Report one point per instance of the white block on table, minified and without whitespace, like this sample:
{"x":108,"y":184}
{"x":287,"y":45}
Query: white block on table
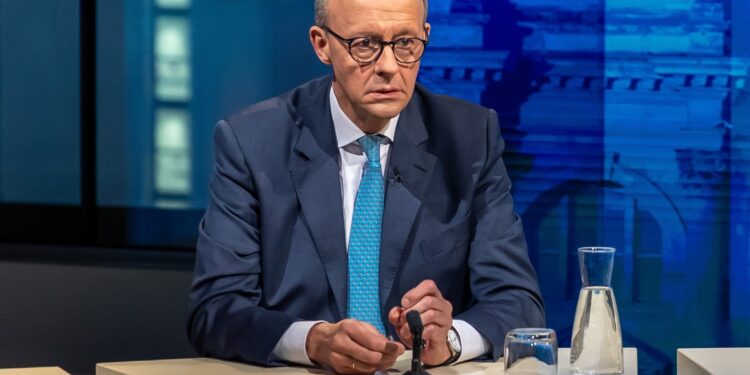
{"x":713,"y":361}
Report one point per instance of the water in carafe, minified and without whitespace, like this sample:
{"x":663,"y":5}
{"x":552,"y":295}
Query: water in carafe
{"x":596,"y":344}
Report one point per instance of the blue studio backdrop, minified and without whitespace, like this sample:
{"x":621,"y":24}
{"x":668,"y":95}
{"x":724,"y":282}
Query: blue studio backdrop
{"x":626,"y":125}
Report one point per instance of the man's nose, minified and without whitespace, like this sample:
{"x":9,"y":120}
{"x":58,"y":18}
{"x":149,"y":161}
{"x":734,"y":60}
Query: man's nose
{"x":387,"y":64}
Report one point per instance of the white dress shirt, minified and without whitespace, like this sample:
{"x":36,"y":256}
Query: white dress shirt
{"x":291,"y":346}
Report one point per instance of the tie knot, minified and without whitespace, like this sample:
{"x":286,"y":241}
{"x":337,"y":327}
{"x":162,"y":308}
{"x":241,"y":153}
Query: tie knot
{"x":371,"y":147}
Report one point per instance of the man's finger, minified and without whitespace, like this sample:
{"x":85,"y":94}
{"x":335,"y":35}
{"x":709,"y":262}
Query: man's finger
{"x":425,"y":288}
{"x":394,"y":348}
{"x":367,"y":326}
{"x":431,"y":303}
{"x":440,"y":318}
{"x":345,"y":364}
{"x":368,"y":337}
{"x":362,"y":354}
{"x":432,"y":310}
{"x":379,"y":360}
{"x":392,"y":351}
{"x":434,"y":333}
{"x":394,"y":316}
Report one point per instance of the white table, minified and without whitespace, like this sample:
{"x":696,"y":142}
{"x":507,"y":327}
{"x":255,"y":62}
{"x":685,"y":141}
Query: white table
{"x":713,"y":361}
{"x":33,"y":371}
{"x":208,"y":366}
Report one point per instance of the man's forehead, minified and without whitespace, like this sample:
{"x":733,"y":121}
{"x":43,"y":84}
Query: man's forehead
{"x":369,"y":28}
{"x":357,"y":13}
{"x":412,"y":5}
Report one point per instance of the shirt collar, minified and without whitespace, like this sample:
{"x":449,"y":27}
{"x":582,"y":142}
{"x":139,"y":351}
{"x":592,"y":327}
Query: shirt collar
{"x":347,"y":132}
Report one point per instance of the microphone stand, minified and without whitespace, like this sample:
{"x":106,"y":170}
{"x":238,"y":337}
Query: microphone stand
{"x":416,"y":327}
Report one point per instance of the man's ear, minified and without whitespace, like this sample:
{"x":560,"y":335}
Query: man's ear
{"x":320,"y":44}
{"x":427,"y":29}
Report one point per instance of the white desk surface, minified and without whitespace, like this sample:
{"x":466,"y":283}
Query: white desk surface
{"x":33,"y":371}
{"x":206,"y":366}
{"x":713,"y":361}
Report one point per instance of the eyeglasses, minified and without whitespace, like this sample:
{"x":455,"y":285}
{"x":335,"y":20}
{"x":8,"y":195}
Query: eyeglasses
{"x":367,"y":49}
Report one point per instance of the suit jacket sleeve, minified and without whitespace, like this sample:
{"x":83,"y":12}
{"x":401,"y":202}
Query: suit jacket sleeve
{"x":226,"y":318}
{"x":503,"y":282}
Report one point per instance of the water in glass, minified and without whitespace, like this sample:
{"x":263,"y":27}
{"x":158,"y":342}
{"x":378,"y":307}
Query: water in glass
{"x":531,"y":351}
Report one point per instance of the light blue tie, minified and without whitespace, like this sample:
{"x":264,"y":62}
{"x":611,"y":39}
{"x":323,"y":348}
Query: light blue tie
{"x":364,"y":239}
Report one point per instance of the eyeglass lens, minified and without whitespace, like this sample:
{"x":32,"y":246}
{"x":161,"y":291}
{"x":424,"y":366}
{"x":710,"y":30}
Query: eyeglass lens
{"x":406,"y":50}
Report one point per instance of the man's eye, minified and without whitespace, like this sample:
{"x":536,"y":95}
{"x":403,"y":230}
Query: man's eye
{"x":366,"y":43}
{"x":405,"y":43}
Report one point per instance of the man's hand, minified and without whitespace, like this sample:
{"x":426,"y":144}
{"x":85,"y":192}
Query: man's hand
{"x":351,"y":347}
{"x":436,"y":313}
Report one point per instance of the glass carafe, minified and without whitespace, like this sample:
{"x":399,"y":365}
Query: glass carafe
{"x":596,"y":343}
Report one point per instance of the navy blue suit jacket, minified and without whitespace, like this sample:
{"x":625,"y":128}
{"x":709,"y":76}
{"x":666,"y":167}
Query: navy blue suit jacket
{"x":271,"y":248}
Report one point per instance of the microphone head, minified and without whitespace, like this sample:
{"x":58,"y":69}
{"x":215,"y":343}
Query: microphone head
{"x":415,"y":322}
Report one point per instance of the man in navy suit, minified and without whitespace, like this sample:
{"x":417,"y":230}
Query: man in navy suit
{"x":278,"y":276}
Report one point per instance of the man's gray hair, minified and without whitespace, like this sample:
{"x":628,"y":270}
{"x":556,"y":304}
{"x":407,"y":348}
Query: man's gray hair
{"x":321,"y":11}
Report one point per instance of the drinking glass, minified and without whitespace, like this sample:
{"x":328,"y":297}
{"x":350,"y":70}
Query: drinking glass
{"x":531,"y":351}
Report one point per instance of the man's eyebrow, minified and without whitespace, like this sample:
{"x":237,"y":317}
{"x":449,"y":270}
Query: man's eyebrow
{"x":405,"y":32}
{"x":374,"y":34}
{"x":409,"y":34}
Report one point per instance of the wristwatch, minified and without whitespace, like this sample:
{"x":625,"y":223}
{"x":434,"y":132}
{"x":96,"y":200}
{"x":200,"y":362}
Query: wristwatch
{"x":454,"y":344}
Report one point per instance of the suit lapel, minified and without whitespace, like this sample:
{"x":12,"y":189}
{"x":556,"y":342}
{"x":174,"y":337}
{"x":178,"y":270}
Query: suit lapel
{"x":315,"y":171}
{"x":403,"y":198}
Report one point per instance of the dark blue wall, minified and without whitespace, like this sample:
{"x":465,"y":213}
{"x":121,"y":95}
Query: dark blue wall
{"x":39,"y":102}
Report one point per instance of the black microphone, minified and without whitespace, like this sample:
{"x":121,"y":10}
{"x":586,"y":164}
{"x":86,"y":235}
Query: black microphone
{"x":416,"y":328}
{"x":415,"y":322}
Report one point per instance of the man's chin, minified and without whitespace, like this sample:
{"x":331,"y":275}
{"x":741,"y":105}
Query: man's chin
{"x":385,"y":110}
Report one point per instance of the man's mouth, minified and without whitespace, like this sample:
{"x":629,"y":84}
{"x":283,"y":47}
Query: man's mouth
{"x":387,"y":92}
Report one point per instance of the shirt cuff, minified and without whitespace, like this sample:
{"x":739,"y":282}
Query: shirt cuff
{"x":473,"y":344}
{"x":291,"y":345}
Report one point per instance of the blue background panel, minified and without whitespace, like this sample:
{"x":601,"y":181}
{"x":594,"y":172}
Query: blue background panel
{"x":626,"y":125}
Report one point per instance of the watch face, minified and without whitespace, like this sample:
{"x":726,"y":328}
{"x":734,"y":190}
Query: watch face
{"x":453,"y":341}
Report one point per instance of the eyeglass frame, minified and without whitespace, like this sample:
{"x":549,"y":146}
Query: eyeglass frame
{"x":383,"y":43}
